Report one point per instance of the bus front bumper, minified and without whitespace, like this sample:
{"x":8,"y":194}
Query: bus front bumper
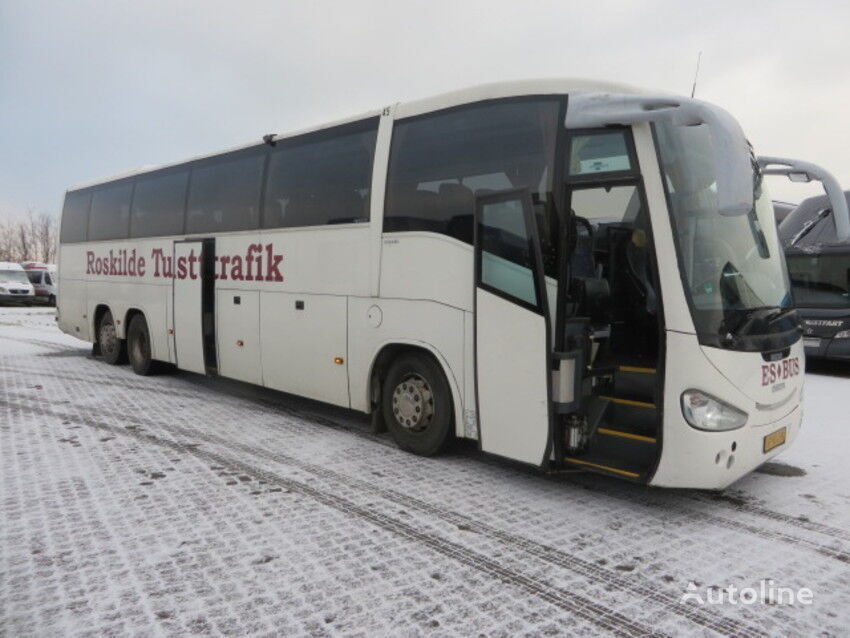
{"x":715,"y":460}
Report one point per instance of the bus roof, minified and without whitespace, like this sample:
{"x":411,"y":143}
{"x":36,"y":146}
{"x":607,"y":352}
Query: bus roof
{"x":469,"y":95}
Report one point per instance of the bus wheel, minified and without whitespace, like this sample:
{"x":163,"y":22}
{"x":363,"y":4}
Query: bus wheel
{"x":112,"y":349}
{"x":417,"y":404}
{"x":51,"y":300}
{"x":139,"y":347}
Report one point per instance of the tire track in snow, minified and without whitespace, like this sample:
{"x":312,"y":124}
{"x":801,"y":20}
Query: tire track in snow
{"x":633,"y":585}
{"x":589,"y":610}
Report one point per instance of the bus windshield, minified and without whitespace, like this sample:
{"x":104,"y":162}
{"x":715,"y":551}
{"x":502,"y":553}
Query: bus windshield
{"x":733,"y":268}
{"x":820,"y":280}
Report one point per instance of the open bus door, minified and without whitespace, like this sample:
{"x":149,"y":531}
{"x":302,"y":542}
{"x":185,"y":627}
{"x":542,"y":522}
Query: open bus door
{"x":193,"y":305}
{"x":512,"y":342}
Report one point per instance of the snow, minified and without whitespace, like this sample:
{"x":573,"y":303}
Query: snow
{"x":179,"y":504}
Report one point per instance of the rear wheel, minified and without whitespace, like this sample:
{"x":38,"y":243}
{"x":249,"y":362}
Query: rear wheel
{"x":51,"y":300}
{"x":112,"y":349}
{"x":139,"y":347}
{"x":417,"y":404}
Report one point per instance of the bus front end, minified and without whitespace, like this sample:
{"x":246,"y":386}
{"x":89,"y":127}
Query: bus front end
{"x":723,"y":377}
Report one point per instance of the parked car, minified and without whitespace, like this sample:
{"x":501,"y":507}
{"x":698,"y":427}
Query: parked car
{"x":44,"y":279}
{"x":15,"y":286}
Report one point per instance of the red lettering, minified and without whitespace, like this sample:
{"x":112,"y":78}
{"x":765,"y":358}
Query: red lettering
{"x":156,"y":255}
{"x":89,"y":262}
{"x":192,"y":259}
{"x":140,"y":266}
{"x":236,"y":268}
{"x":223,"y":260}
{"x":272,"y":265}
{"x":181,"y":267}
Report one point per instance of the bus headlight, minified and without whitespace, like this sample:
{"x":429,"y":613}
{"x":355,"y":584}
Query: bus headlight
{"x":704,"y":412}
{"x":844,"y":334}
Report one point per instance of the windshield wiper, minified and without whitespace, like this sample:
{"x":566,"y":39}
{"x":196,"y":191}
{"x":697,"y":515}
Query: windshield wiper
{"x":809,"y":226}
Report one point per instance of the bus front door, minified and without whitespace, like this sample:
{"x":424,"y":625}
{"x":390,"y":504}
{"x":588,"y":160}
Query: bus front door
{"x":511,"y":329}
{"x":193,"y":305}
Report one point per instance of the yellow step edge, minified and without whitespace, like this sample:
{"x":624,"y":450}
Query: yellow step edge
{"x":638,"y":404}
{"x":637,"y":369}
{"x":626,"y":435}
{"x":604,"y":467}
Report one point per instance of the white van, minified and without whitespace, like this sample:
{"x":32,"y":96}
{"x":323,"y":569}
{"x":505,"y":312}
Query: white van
{"x":14,"y":284}
{"x":44,"y":279}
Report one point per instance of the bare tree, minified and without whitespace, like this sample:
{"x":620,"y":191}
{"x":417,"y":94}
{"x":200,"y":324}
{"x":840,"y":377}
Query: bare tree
{"x":31,"y":238}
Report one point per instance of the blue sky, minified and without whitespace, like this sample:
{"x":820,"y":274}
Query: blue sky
{"x":89,"y":89}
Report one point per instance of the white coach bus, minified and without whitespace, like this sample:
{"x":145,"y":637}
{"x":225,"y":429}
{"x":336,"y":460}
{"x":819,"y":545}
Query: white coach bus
{"x":574,"y":274}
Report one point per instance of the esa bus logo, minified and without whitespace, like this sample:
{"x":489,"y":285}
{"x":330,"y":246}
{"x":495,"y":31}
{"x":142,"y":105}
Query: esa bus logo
{"x":779,"y":371}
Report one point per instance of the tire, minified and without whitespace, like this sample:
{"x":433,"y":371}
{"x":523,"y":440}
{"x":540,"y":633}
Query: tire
{"x":417,"y":404}
{"x":112,"y":349}
{"x":51,"y":300}
{"x":139,"y":347}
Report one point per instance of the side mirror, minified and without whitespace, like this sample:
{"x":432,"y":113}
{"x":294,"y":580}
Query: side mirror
{"x":800,"y":178}
{"x":799,"y":171}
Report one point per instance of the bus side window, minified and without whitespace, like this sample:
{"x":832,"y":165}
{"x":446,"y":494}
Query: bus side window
{"x":75,"y":215}
{"x":224,"y":193}
{"x":322,"y":178}
{"x":440,"y":162}
{"x":506,"y":257}
{"x":158,"y":204}
{"x":110,"y":212}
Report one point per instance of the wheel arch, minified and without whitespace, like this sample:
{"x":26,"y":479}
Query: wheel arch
{"x":387,"y":352}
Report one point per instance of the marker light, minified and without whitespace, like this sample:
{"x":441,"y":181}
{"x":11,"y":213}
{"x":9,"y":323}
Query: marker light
{"x":704,"y":412}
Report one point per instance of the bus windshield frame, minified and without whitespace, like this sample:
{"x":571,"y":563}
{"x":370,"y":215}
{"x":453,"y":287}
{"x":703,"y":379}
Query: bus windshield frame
{"x":732,"y":265}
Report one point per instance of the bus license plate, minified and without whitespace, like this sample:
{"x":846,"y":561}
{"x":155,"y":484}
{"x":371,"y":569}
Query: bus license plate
{"x":811,"y":342}
{"x":774,"y":439}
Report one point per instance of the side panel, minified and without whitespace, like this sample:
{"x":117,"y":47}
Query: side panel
{"x":419,"y":265}
{"x":511,"y":349}
{"x":375,"y":323}
{"x":238,"y":334}
{"x":188,"y":331}
{"x":302,"y":336}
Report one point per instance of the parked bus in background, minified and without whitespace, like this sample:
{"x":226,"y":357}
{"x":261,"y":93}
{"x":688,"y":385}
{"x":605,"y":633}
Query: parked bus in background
{"x":574,"y":274}
{"x":43,"y":277}
{"x":819,"y":267}
{"x":14,"y":285}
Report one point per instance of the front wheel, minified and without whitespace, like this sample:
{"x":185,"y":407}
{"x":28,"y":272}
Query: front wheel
{"x":417,"y":404}
{"x":139,"y":347}
{"x":112,"y":349}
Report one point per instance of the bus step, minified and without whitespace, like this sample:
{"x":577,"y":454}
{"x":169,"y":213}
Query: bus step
{"x":631,"y":414}
{"x":634,"y":381}
{"x":610,"y":466}
{"x":624,"y":434}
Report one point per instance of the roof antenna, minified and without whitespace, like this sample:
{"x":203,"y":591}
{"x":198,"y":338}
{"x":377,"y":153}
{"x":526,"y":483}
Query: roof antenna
{"x":269,"y":139}
{"x":696,"y":74}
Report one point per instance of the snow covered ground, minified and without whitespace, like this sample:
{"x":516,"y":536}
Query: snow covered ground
{"x":182,"y":505}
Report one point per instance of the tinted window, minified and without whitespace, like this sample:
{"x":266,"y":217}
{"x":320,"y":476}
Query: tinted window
{"x":440,"y":162}
{"x":34,"y":276}
{"x":75,"y":216}
{"x":110,"y":212}
{"x":158,"y":205}
{"x":224,"y":194}
{"x":820,"y":280}
{"x":506,"y":257}
{"x":47,"y":280}
{"x":321,"y":179}
{"x":599,"y":153}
